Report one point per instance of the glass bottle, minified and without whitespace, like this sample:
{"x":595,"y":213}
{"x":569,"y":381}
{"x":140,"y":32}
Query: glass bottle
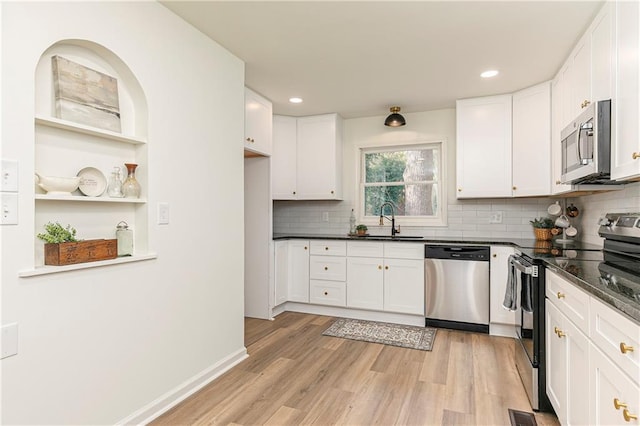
{"x":131,"y":186}
{"x":352,"y":223}
{"x":115,"y":184}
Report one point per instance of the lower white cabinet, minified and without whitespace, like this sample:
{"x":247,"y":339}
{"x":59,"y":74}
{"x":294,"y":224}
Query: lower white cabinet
{"x":365,"y":283}
{"x":615,"y":397}
{"x":592,"y":358}
{"x":328,"y":292}
{"x":281,"y":272}
{"x":567,"y":367}
{"x":404,"y":286}
{"x":498,"y":274}
{"x":298,"y":271}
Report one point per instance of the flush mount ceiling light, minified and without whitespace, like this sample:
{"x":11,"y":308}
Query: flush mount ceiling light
{"x":489,"y":74}
{"x":295,"y":100}
{"x":395,"y":119}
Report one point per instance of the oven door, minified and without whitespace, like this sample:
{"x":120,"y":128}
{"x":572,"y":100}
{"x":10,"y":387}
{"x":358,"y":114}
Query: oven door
{"x":526,"y":330}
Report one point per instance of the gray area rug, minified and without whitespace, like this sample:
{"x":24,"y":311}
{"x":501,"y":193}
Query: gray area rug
{"x":406,"y":336}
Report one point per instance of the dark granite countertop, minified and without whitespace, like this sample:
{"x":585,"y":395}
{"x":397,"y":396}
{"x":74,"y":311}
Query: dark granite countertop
{"x":580,"y":263}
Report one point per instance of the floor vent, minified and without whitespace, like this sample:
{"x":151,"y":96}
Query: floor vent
{"x":522,"y":418}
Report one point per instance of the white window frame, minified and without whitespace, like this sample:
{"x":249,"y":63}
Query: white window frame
{"x":439,"y":219}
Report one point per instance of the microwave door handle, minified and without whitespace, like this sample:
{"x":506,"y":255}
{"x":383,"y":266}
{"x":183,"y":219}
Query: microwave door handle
{"x":578,"y":144}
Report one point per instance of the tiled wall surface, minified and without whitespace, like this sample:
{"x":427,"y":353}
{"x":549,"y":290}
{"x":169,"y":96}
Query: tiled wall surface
{"x":466,"y":218}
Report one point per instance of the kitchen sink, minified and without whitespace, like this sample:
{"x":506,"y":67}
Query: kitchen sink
{"x":397,"y":237}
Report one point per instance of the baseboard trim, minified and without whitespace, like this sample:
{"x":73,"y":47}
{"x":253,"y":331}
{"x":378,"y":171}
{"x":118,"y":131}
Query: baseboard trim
{"x":363,"y":314}
{"x":181,"y":392}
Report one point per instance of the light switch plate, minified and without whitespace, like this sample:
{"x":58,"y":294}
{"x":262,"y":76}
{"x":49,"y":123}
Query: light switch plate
{"x":8,"y":176}
{"x":9,"y":341}
{"x":163,"y":213}
{"x":8,"y":208}
{"x":496,"y":217}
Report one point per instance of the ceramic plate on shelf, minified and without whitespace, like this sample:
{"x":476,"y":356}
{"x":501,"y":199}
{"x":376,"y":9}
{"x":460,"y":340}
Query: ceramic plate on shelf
{"x":92,"y":182}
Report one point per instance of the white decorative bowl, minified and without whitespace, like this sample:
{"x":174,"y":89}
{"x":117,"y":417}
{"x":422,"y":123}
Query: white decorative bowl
{"x":58,"y":185}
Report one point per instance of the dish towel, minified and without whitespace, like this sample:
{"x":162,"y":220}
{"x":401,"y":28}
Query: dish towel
{"x":511,"y":294}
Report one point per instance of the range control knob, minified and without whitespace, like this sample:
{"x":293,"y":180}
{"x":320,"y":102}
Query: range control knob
{"x":605,"y":221}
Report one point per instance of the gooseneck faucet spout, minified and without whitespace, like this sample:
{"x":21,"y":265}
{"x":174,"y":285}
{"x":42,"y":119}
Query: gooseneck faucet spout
{"x":394,"y":231}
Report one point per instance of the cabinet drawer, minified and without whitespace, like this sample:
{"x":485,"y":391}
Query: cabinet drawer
{"x":616,"y":336}
{"x":331,"y":268}
{"x":329,"y":248}
{"x":364,"y":249}
{"x":569,"y":299}
{"x":328,"y":293}
{"x":404,"y":250}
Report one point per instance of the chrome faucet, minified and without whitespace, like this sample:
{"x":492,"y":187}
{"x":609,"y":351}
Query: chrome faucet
{"x":394,"y":231}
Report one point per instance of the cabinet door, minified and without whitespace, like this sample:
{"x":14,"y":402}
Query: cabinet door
{"x":556,"y":353}
{"x":498,"y":272}
{"x":281,"y":268}
{"x":257,"y":123}
{"x":611,"y":385}
{"x":532,"y":141}
{"x":404,"y":286}
{"x":577,"y":349}
{"x":365,"y":283}
{"x":625,"y":144}
{"x":283,"y":158}
{"x":483,"y":157}
{"x":580,"y":81}
{"x":602,"y":54}
{"x":319,"y":157}
{"x":299,"y":271}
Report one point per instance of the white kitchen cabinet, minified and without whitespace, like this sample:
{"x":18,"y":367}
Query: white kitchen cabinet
{"x":257,"y":123}
{"x":483,"y":157}
{"x":615,"y":398}
{"x":365,"y":283}
{"x":307,"y":166}
{"x":531,"y":143}
{"x":558,"y":95}
{"x":580,"y":76}
{"x":298,"y":286}
{"x":498,"y":274}
{"x":330,"y":268}
{"x":283,"y":159}
{"x":328,"y":293}
{"x":567,"y":367}
{"x":625,"y":147}
{"x":404,"y":286}
{"x":281,"y":272}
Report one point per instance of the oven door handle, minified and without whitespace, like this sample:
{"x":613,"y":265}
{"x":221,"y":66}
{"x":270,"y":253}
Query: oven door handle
{"x":528,"y":270}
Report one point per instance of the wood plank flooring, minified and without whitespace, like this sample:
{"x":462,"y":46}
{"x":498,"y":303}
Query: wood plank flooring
{"x":294,"y":375}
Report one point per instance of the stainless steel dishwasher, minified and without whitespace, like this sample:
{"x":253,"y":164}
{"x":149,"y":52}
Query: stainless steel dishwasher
{"x":457,"y":287}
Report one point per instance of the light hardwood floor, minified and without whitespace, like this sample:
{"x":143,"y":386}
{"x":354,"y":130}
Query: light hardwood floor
{"x":295,"y":375}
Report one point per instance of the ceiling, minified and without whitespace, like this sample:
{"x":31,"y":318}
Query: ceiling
{"x":359,"y":58}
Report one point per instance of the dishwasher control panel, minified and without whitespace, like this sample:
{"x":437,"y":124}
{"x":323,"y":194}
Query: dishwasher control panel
{"x":476,"y":253}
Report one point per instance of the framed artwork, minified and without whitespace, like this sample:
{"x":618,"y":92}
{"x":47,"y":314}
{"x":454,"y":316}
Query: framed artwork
{"x":84,"y":95}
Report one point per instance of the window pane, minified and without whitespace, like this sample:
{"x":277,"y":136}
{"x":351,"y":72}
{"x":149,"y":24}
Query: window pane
{"x":401,"y":166}
{"x":409,"y":200}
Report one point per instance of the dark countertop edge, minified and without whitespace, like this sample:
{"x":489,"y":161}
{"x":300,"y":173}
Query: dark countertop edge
{"x":630,"y":310}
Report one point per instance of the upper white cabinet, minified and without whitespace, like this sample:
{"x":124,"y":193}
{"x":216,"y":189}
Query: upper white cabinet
{"x":558,"y":89}
{"x":257,"y":123}
{"x":315,"y":154}
{"x":531,"y":149}
{"x":625,"y":147}
{"x":503,"y":144}
{"x":483,"y":158}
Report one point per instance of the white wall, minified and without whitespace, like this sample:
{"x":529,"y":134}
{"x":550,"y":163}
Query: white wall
{"x":466,"y":218}
{"x":98,"y":345}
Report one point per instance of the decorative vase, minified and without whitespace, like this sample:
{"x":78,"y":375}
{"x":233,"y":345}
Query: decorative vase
{"x":131,"y":186}
{"x":115,"y":184}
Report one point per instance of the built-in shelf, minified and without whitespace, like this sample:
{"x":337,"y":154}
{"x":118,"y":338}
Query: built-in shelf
{"x":87,"y":130}
{"x":86,"y":199}
{"x":44,"y":270}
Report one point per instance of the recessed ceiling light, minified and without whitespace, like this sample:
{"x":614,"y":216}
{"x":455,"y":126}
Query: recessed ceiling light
{"x":295,"y":100}
{"x":489,"y":74}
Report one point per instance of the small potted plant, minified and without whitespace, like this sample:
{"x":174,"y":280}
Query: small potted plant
{"x":62,"y":248}
{"x":542,"y":228}
{"x":361,"y":230}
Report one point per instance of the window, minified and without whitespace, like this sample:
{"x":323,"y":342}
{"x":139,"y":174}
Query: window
{"x":410,"y":177}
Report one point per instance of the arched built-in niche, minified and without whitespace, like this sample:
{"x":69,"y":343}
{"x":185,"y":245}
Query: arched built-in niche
{"x":63,"y":148}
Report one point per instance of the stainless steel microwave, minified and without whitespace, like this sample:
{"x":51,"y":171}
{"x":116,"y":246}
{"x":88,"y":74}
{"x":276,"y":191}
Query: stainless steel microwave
{"x":586,"y":146}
